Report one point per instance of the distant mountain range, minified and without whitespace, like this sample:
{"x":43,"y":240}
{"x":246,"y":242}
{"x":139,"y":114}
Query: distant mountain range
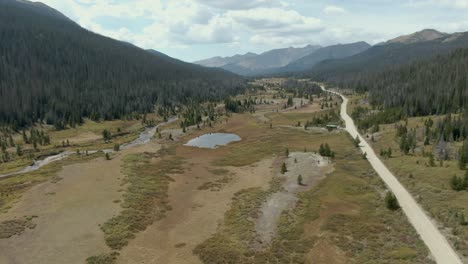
{"x":283,"y":60}
{"x":338,"y":61}
{"x":399,"y":51}
{"x":252,"y":63}
{"x":327,"y":53}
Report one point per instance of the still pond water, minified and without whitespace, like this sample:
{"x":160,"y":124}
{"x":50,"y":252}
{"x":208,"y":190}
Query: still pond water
{"x":213,"y":140}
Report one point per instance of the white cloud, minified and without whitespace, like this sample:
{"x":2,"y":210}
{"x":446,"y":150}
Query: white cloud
{"x":333,"y":10}
{"x":176,"y":23}
{"x":239,"y":4}
{"x":276,"y":26}
{"x":458,"y":4}
{"x":185,"y":22}
{"x":273,"y":18}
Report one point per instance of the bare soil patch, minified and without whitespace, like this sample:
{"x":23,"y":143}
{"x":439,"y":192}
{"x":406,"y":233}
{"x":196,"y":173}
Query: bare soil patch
{"x":68,"y":212}
{"x":312,"y":168}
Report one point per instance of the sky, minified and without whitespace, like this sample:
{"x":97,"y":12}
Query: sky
{"x":191,"y":30}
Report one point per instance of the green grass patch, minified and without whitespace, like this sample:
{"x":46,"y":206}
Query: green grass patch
{"x":145,"y":199}
{"x":109,"y":258}
{"x":403,"y":253}
{"x":219,"y":171}
{"x":15,"y":165}
{"x":14,"y":227}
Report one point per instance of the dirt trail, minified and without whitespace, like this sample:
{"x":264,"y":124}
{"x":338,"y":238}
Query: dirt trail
{"x":196,"y":213}
{"x":312,"y":167}
{"x":427,"y":229}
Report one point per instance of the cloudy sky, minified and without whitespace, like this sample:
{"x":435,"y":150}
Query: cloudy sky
{"x":196,"y":29}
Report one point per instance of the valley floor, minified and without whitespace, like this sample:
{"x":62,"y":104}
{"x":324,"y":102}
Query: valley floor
{"x":167,"y":203}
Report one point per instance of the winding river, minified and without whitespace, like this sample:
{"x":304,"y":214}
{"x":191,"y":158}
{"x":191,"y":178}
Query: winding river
{"x":144,"y":137}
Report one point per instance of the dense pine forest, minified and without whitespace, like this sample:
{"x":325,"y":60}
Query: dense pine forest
{"x":435,"y":86}
{"x":53,"y":71}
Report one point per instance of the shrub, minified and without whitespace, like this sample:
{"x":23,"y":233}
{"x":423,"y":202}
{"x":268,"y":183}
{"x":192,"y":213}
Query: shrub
{"x":284,"y":169}
{"x":391,"y":201}
{"x":299,"y":179}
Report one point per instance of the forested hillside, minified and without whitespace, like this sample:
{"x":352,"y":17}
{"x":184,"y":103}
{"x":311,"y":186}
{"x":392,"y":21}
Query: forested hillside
{"x":54,"y":71}
{"x":434,"y":86}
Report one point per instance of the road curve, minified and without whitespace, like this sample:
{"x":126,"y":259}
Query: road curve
{"x":440,"y":248}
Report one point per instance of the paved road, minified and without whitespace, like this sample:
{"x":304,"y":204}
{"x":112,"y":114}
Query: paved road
{"x":441,"y":250}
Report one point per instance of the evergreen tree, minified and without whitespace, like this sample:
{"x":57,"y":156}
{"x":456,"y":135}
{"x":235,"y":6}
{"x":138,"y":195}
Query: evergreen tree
{"x":299,"y":179}
{"x":391,"y":201}
{"x":106,"y":135}
{"x":458,"y":184}
{"x":25,"y":137}
{"x":12,"y":143}
{"x":463,"y":155}
{"x":19,"y":150}
{"x":283,"y":168}
{"x":357,"y":141}
{"x":431,"y":160}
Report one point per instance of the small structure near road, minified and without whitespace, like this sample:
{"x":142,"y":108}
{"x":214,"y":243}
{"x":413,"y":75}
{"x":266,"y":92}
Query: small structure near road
{"x":332,"y":127}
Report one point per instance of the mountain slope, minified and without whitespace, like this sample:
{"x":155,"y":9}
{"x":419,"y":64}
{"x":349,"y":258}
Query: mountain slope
{"x":326,"y":53}
{"x":223,"y":61}
{"x":380,"y":57}
{"x":53,"y":70}
{"x":421,"y":36}
{"x":37,"y":8}
{"x":251,"y":63}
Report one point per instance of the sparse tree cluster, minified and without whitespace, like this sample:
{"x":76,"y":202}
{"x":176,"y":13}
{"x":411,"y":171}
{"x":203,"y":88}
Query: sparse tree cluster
{"x":459,"y":183}
{"x":386,"y":153}
{"x":238,"y":106}
{"x":326,"y":151}
{"x":106,"y":135}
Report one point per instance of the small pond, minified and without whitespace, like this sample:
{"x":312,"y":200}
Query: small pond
{"x":213,"y":140}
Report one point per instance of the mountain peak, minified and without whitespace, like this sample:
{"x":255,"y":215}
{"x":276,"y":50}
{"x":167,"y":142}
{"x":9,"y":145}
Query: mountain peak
{"x":420,"y":36}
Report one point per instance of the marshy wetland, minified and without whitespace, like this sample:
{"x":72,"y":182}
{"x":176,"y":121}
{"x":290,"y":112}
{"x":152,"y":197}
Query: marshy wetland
{"x":165,"y":202}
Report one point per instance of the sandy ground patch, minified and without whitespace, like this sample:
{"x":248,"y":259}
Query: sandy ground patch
{"x":69,"y":213}
{"x":85,"y":137}
{"x":306,"y":108}
{"x":325,"y":252}
{"x":195,"y":214}
{"x":313,"y":168}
